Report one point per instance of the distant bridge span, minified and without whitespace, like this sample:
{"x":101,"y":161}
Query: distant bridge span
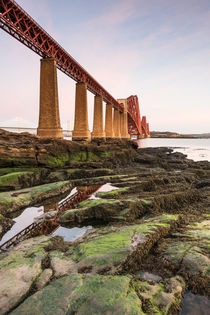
{"x":16,"y":22}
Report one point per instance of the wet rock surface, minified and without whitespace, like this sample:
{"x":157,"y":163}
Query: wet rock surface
{"x":76,"y":294}
{"x":19,"y":150}
{"x":19,"y":270}
{"x":153,"y":245}
{"x":12,"y":201}
{"x":5,"y":224}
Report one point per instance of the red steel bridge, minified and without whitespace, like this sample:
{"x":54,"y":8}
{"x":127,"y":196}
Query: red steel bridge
{"x":16,"y":22}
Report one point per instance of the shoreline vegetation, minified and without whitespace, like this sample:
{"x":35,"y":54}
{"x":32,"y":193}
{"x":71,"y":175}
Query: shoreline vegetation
{"x":149,"y":251}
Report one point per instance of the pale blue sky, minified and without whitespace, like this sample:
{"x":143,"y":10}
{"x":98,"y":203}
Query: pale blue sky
{"x":157,"y":49}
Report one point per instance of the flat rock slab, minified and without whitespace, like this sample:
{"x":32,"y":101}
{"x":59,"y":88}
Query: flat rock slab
{"x":25,"y":197}
{"x":160,"y":298}
{"x":62,"y":266}
{"x":76,"y":294}
{"x":97,"y":294}
{"x":107,"y":249}
{"x":126,"y":245}
{"x":44,"y":278}
{"x":192,"y":254}
{"x":18,"y":271}
{"x":106,"y":210}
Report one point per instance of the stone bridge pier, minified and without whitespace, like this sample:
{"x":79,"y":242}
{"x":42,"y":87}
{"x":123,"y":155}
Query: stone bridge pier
{"x":117,"y":133}
{"x":98,"y":129}
{"x":109,"y":130}
{"x":116,"y":125}
{"x":81,"y":129}
{"x":49,"y":118}
{"x":124,"y":119}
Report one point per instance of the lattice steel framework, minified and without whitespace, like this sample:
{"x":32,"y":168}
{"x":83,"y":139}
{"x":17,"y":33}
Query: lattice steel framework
{"x":145,"y":126}
{"x":16,"y":22}
{"x":134,"y":123}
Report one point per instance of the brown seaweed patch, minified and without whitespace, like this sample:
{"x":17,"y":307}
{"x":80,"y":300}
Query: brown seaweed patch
{"x":57,"y":243}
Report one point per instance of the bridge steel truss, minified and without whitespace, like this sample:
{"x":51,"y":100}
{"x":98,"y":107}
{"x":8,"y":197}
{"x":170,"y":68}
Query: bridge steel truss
{"x":19,"y":24}
{"x":133,"y":109}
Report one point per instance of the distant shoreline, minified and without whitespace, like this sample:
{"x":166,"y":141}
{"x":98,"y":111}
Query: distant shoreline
{"x":168,"y":134}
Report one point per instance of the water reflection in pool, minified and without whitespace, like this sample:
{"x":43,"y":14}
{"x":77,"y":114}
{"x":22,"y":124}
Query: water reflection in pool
{"x":22,"y":221}
{"x":71,"y":234}
{"x":104,"y":188}
{"x":24,"y":218}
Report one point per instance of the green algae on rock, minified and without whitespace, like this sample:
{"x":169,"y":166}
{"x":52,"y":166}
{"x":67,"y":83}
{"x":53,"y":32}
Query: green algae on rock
{"x":96,"y":294}
{"x":19,"y":269}
{"x":192,"y":254}
{"x":160,"y":298}
{"x":126,"y":245}
{"x":112,"y":193}
{"x":105,"y":210}
{"x":29,"y":150}
{"x":76,"y":294}
{"x":10,"y":201}
{"x":11,"y":180}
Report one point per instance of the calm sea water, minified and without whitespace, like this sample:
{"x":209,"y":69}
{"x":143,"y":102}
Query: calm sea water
{"x":195,"y":149}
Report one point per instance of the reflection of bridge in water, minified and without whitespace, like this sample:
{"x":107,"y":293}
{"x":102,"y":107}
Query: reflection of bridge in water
{"x":48,"y":225}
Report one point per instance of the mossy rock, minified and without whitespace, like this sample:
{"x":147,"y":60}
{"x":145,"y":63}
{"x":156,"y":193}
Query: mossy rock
{"x":129,"y":179}
{"x":11,"y":180}
{"x":19,"y":269}
{"x":25,"y":253}
{"x":102,"y":209}
{"x":88,"y":173}
{"x":193,"y":253}
{"x":113,"y":193}
{"x":190,"y":256}
{"x":58,"y":175}
{"x":10,"y":202}
{"x":199,"y":230}
{"x":113,"y":245}
{"x":8,"y":170}
{"x":146,"y":201}
{"x":60,"y":160}
{"x":105,"y":210}
{"x":84,"y":156}
{"x":161,"y":298}
{"x":95,"y":202}
{"x":88,"y":295}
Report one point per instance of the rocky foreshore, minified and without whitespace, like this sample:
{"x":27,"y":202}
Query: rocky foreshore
{"x":151,"y":242}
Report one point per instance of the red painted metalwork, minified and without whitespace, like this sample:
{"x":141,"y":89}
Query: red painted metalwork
{"x":134,"y":124}
{"x":145,"y":126}
{"x":148,"y":132}
{"x":16,"y":22}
